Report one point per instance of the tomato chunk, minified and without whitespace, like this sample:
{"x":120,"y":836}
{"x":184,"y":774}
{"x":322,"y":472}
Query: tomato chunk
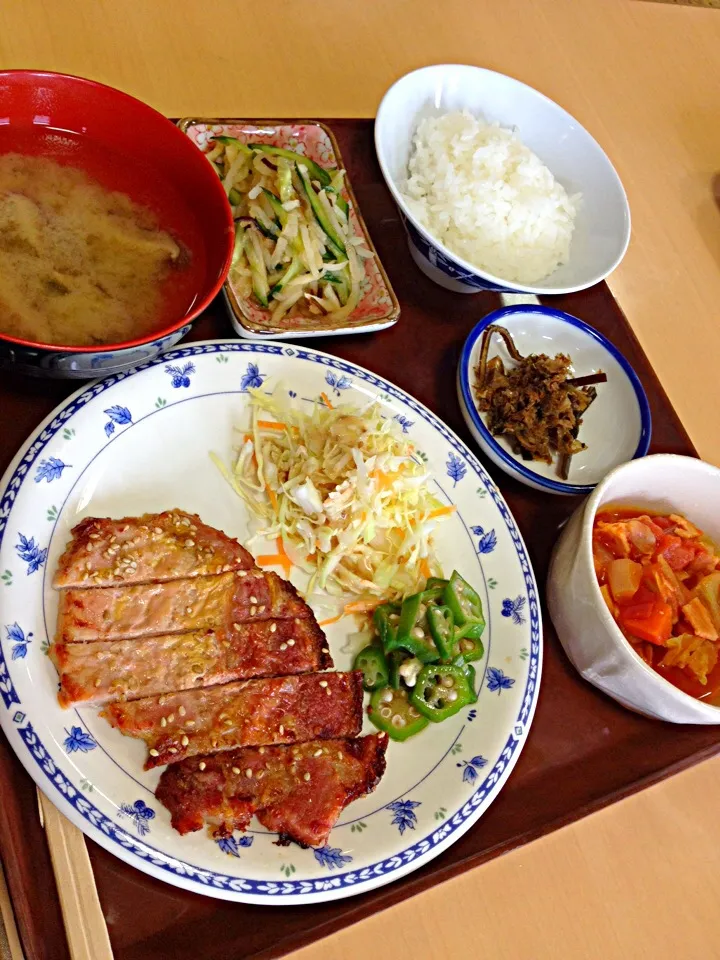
{"x":638,"y":611}
{"x":656,"y":627}
{"x":645,"y":594}
{"x":663,"y":522}
{"x":677,"y":553}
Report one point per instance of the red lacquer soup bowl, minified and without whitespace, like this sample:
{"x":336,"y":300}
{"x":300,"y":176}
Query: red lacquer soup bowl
{"x":126,"y":146}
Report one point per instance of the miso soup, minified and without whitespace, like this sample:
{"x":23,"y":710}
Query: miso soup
{"x":84,"y":262}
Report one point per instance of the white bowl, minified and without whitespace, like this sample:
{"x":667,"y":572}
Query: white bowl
{"x":587,"y":631}
{"x":602,"y":227}
{"x":617,"y":425}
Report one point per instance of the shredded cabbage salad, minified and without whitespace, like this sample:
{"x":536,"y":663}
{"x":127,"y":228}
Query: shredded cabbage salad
{"x":345,"y":495}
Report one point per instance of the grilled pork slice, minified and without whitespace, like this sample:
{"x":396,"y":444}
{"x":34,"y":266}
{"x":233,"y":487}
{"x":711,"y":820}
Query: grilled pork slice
{"x":151,"y":548}
{"x":128,"y":669}
{"x":180,"y":606}
{"x":298,"y":792}
{"x":243,"y":714}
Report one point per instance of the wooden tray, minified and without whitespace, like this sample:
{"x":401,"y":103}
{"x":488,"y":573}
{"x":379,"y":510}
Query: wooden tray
{"x":583,"y":752}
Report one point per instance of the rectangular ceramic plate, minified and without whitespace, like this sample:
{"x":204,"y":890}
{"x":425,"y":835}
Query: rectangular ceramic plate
{"x":378,"y":307}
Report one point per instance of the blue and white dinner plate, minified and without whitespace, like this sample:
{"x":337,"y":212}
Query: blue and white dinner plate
{"x":140,"y":441}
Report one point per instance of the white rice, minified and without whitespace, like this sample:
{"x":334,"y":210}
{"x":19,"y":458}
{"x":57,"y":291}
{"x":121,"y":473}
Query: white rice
{"x":488,"y":198}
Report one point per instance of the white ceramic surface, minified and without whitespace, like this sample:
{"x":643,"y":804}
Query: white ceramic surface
{"x":602,"y":230}
{"x":248,"y":334}
{"x":587,"y":631}
{"x":140,"y":442}
{"x":616,"y":426}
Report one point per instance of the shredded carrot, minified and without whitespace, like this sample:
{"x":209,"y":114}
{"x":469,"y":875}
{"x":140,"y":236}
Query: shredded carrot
{"x":441,"y":512}
{"x":360,"y":606}
{"x":287,"y":563}
{"x":254,"y":456}
{"x":326,"y":401}
{"x":275,"y":425}
{"x":385,"y":480}
{"x":425,"y":568}
{"x":279,"y":559}
{"x":271,"y":425}
{"x":326,"y":623}
{"x":273,"y":497}
{"x":357,"y":606}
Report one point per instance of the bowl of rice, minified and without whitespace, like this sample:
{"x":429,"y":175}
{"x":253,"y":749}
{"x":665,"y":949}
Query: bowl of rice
{"x":498,"y":187}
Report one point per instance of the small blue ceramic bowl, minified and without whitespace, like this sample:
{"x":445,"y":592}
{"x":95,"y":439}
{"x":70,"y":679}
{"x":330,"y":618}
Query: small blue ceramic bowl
{"x":617,"y":425}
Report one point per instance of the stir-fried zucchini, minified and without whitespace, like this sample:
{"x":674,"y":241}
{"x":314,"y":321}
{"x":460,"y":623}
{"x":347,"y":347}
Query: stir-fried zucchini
{"x":335,"y":243}
{"x":279,"y":211}
{"x":314,"y":169}
{"x":239,"y":247}
{"x":285,"y":184}
{"x":233,"y":141}
{"x":294,"y":270}
{"x":258,"y":270}
{"x":342,"y":282}
{"x":294,"y":241}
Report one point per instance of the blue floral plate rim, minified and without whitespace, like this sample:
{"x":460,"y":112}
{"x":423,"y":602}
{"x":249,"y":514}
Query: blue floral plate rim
{"x":46,"y":768}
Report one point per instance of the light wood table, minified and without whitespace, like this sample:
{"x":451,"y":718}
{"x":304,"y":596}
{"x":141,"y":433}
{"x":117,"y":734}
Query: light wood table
{"x":641,"y":878}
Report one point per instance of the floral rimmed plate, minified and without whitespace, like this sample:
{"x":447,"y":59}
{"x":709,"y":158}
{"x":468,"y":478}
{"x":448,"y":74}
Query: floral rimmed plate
{"x":139,"y":441}
{"x":378,"y":307}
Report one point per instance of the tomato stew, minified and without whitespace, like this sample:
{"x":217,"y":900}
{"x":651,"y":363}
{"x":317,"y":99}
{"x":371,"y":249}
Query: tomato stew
{"x":660,"y":577}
